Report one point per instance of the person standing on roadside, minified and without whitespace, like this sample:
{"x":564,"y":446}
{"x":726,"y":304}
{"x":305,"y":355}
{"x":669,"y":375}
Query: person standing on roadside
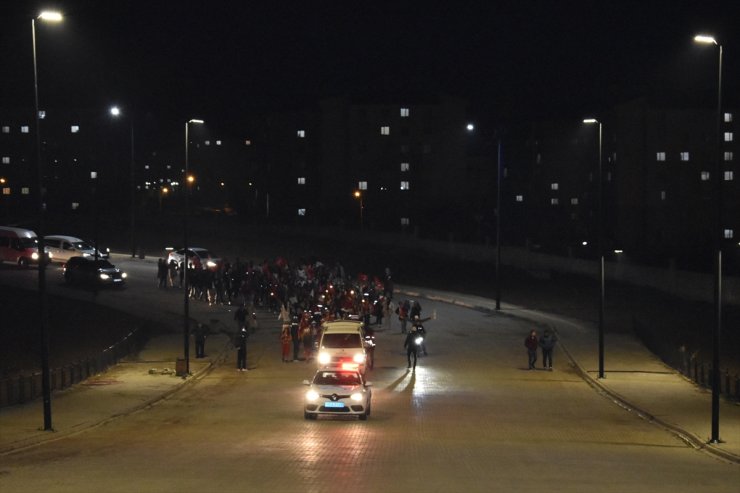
{"x":241,"y":350}
{"x":547,"y":343}
{"x":162,"y":273}
{"x":531,"y":343}
{"x":201,"y":332}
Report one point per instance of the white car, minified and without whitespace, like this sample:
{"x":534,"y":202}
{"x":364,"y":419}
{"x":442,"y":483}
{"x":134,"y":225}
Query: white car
{"x":334,"y":391}
{"x":198,"y":258}
{"x":345,"y":345}
{"x":64,"y":247}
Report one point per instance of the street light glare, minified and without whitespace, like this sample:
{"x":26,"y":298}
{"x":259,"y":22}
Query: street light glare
{"x":590,"y":120}
{"x":115,"y":111}
{"x":50,"y":16}
{"x":195,"y":120}
{"x":704,"y":38}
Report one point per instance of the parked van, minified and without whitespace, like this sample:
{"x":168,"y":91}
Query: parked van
{"x":344,"y":344}
{"x":19,"y":246}
{"x":62,"y":248}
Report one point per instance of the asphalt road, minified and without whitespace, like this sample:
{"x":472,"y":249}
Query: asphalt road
{"x":471,"y":418}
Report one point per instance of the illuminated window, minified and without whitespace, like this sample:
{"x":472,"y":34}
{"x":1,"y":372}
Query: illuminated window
{"x":6,"y":129}
{"x":404,"y":112}
{"x":24,"y":129}
{"x":405,"y":185}
{"x":405,"y":167}
{"x":75,"y":206}
{"x":301,"y":180}
{"x":218,"y":142}
{"x":6,"y":159}
{"x":554,"y":186}
{"x":704,"y":175}
{"x":519,"y":198}
{"x":42,"y":114}
{"x":247,"y":142}
{"x":728,"y":117}
{"x":405,"y":221}
{"x":301,"y":134}
{"x":660,"y":156}
{"x":729,"y":175}
{"x":301,"y":212}
{"x":554,"y":201}
{"x":728,"y":156}
{"x":729,"y":234}
{"x":362,"y":185}
{"x":729,"y":137}
{"x":6,"y":190}
{"x":207,"y":143}
{"x":25,"y":191}
{"x":74,"y":129}
{"x":385,"y":130}
{"x":663,"y":195}
{"x":574,"y":201}
{"x":684,"y":156}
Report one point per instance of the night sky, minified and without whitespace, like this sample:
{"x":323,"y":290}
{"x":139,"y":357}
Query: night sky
{"x":510,"y":59}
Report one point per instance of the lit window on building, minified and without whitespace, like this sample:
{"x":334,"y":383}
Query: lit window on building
{"x":24,"y":129}
{"x":405,"y":112}
{"x":519,"y":198}
{"x":663,"y":195}
{"x":207,"y":143}
{"x":218,"y":142}
{"x":362,"y":185}
{"x":6,"y":190}
{"x":405,"y":167}
{"x":729,"y":137}
{"x":660,"y":156}
{"x":301,"y":134}
{"x":301,"y":212}
{"x":75,"y":206}
{"x":729,"y":234}
{"x":42,"y":114}
{"x":554,"y":186}
{"x":728,"y":117}
{"x":729,"y":156}
{"x":538,"y":159}
{"x":574,"y":201}
{"x":301,"y":180}
{"x":247,"y":142}
{"x":74,"y":129}
{"x":729,"y":175}
{"x":554,"y":201}
{"x":25,"y":191}
{"x":405,"y":185}
{"x":405,"y":221}
{"x":6,"y":129}
{"x":6,"y":159}
{"x":385,"y":130}
{"x":685,"y":156}
{"x":704,"y":175}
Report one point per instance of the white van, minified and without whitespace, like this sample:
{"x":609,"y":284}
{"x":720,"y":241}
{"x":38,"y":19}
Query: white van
{"x":19,"y":246}
{"x":64,"y":247}
{"x":344,"y":345}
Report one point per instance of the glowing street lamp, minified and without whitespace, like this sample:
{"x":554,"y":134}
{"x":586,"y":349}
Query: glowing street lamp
{"x":46,"y":16}
{"x":358,"y":196}
{"x":718,"y":238}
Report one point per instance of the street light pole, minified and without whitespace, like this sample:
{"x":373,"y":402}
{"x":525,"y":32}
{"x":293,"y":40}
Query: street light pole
{"x":43,"y":315}
{"x":116,"y":112}
{"x":718,"y":248}
{"x":600,"y":249}
{"x":186,"y":298}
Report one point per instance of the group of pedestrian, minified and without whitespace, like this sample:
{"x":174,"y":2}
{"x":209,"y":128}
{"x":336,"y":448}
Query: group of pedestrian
{"x":546,"y":344}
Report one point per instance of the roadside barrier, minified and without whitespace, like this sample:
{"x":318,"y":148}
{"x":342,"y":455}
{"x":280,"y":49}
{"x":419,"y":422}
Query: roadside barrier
{"x":27,"y":387}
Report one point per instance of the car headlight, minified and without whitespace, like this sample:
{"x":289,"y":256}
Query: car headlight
{"x":124,"y":275}
{"x":211,"y":263}
{"x":359,"y":358}
{"x":324,"y":358}
{"x":357,"y":396}
{"x":35,"y":255}
{"x":104,"y":276}
{"x":312,"y":395}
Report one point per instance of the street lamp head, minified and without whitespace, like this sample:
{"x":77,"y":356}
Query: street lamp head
{"x":705,"y":39}
{"x":470,"y":127}
{"x":191,"y":179}
{"x":195,"y":120}
{"x":115,"y":111}
{"x":357,"y":194}
{"x":50,"y":16}
{"x":590,"y":120}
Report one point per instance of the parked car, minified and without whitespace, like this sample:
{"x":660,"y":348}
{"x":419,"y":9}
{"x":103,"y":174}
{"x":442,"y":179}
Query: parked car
{"x":87,"y":270}
{"x":334,"y":391}
{"x":198,"y":258}
{"x":19,"y":246}
{"x":64,"y":247}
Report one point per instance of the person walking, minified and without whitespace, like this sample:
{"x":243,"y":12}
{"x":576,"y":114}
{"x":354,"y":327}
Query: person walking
{"x":241,"y":353}
{"x":403,"y":314}
{"x":240,"y":315}
{"x":295,"y":336}
{"x":162,"y":273}
{"x":547,"y":343}
{"x":412,"y":347}
{"x":531,"y":343}
{"x":201,"y":332}
{"x":285,"y":342}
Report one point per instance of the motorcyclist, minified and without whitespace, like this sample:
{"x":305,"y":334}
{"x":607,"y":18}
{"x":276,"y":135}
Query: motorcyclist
{"x":412,"y":346}
{"x":418,"y":329}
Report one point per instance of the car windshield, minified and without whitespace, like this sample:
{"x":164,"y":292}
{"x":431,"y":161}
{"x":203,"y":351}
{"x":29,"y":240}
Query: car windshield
{"x":336,"y":378}
{"x":24,"y":243}
{"x":342,"y":341}
{"x":203,"y":254}
{"x":81,"y":245}
{"x":103,"y":264}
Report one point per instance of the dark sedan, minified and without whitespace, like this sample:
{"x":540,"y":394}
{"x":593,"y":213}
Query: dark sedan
{"x":87,"y":270}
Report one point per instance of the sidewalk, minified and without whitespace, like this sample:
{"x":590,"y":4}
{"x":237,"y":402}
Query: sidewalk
{"x":633,"y":377}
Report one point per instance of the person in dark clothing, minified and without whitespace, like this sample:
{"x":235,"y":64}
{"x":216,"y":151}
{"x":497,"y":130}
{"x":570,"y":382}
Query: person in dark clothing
{"x":201,"y":332}
{"x":241,"y":353}
{"x":531,"y":343}
{"x":240,"y":315}
{"x":547,"y":343}
{"x":295,"y":337}
{"x":412,"y":347}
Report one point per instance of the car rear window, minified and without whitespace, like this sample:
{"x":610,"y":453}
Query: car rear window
{"x":341,"y":340}
{"x":336,"y":378}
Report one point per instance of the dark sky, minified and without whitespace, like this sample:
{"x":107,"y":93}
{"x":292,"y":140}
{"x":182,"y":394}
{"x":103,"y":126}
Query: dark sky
{"x":217,"y":60}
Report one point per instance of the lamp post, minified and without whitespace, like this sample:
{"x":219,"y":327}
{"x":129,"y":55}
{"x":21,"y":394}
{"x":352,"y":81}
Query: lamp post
{"x":705,"y":39}
{"x":358,"y":196}
{"x":115,"y":111}
{"x":187,"y":182}
{"x":600,"y":249}
{"x":46,"y":16}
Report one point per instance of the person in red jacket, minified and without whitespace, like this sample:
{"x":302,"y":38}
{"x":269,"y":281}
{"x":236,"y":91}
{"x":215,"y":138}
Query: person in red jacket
{"x":531,"y":343}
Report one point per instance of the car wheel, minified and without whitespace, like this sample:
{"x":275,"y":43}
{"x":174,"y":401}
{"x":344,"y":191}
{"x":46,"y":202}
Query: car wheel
{"x":308,"y":415}
{"x":363,"y":417}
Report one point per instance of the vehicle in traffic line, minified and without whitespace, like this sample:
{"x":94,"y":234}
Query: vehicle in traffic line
{"x":64,"y":247}
{"x":91,"y":272}
{"x":344,"y":344}
{"x":333,"y":391}
{"x":198,"y":258}
{"x":20,"y":246}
